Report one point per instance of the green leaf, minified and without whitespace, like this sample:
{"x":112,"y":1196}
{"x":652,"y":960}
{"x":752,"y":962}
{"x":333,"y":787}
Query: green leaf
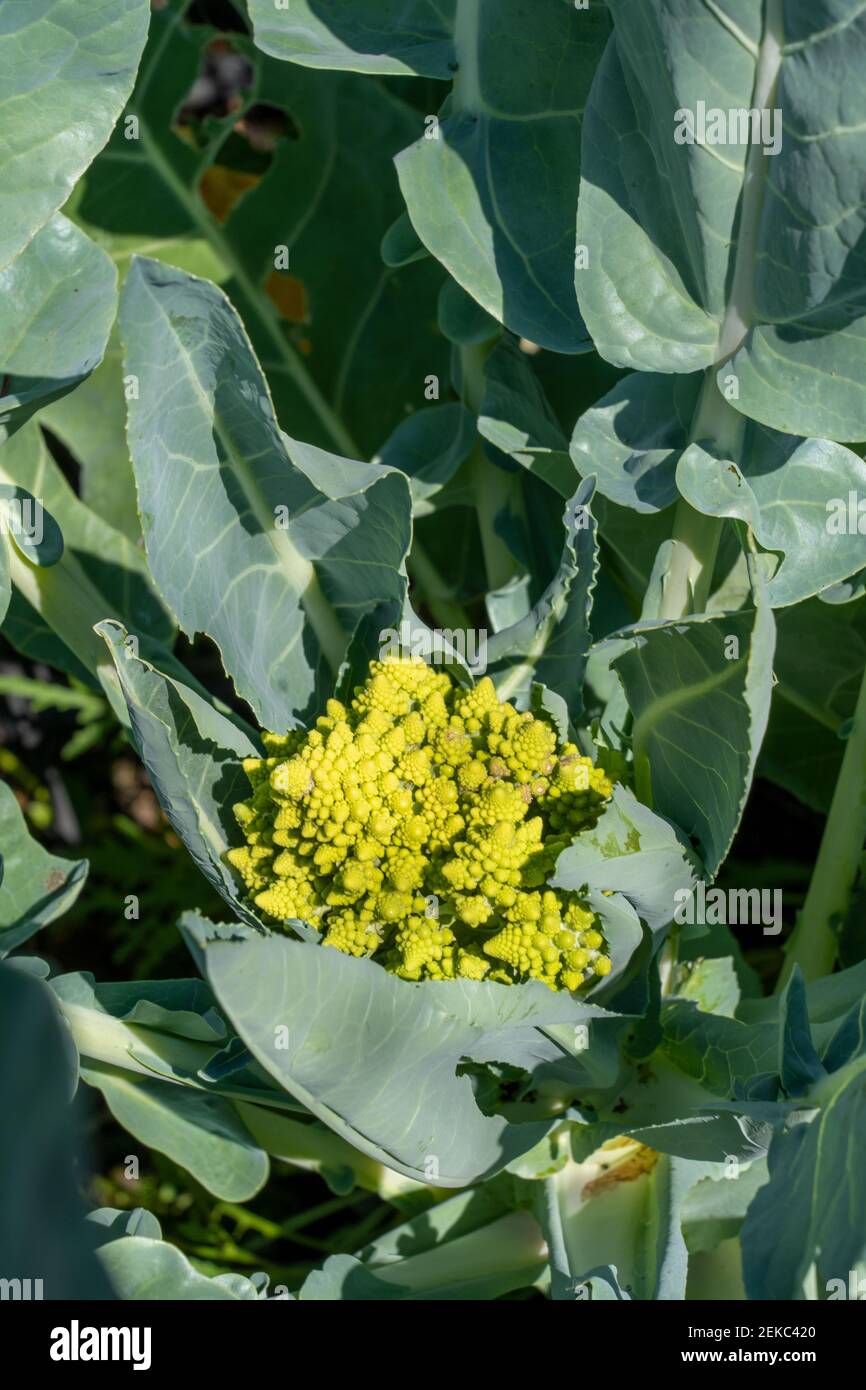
{"x":711,"y":984}
{"x":42,"y":1235}
{"x":703,"y":242}
{"x":718,"y":1051}
{"x":429,"y":447}
{"x":202,"y":1133}
{"x":400,"y":244}
{"x":799,"y":1063}
{"x":5,"y":583}
{"x":345,"y":1278}
{"x":516,"y":418}
{"x":784,"y":490}
{"x":35,"y":886}
{"x":91,"y":422}
{"x":57,"y":303}
{"x":699,"y":692}
{"x":29,"y":634}
{"x":508,"y":129}
{"x":820,"y":655}
{"x":461,"y":318}
{"x":550,"y":644}
{"x":66,"y":70}
{"x":193,"y":755}
{"x":632,"y":851}
{"x":110,"y":1223}
{"x":31,"y":528}
{"x":238,"y":519}
{"x":142,"y":1269}
{"x":112,"y":569}
{"x":321,"y":321}
{"x":384,"y":36}
{"x":381,"y":1068}
{"x":716,"y":1206}
{"x":183,"y":1008}
{"x":633,"y":437}
{"x":816,"y":1174}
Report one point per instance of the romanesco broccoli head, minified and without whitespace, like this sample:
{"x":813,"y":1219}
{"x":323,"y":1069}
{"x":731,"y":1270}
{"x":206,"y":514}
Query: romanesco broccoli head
{"x":419,"y":825}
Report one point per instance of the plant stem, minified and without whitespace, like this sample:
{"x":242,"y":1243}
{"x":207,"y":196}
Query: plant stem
{"x":687,"y":583}
{"x":695,"y":536}
{"x":813,"y":943}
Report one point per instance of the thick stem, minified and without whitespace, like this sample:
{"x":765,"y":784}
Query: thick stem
{"x":813,"y":943}
{"x":695,"y":536}
{"x":687,"y":583}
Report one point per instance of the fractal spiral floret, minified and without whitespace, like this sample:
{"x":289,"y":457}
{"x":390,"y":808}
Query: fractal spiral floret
{"x":419,"y":825}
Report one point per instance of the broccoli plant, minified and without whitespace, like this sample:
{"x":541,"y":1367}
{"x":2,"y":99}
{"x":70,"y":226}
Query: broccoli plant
{"x":479,"y":389}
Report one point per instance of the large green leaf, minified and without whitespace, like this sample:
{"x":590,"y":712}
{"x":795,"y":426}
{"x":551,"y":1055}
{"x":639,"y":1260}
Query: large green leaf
{"x":193,"y":756}
{"x":29,"y":634}
{"x":550,"y":643}
{"x":35,"y":886}
{"x":57,"y":304}
{"x":42,"y":1234}
{"x":507,"y":129}
{"x":701,"y":246}
{"x":5,"y":583}
{"x":632,"y":438}
{"x":385,"y":36}
{"x":699,"y":692}
{"x":66,"y":70}
{"x":375,"y":1057}
{"x":145,"y":1270}
{"x":111,"y":565}
{"x":815,"y":1172}
{"x":91,"y":422}
{"x":274,"y":226}
{"x":272,"y":547}
{"x":715,"y":1207}
{"x":630,"y":850}
{"x":430,"y":446}
{"x":200,"y":1132}
{"x":820,"y":656}
{"x":516,"y":418}
{"x":782,"y":489}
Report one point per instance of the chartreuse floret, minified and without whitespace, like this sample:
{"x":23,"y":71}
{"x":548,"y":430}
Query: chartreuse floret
{"x":419,"y":825}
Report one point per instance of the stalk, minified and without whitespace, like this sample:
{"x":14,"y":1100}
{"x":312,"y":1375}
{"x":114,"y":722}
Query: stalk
{"x":696,"y":537}
{"x":813,"y":944}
